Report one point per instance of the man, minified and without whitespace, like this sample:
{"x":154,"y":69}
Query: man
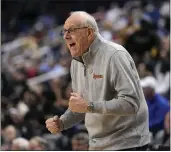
{"x":38,"y":143}
{"x":158,"y":106}
{"x":20,"y":144}
{"x":79,"y":141}
{"x":9,"y":134}
{"x":106,"y":90}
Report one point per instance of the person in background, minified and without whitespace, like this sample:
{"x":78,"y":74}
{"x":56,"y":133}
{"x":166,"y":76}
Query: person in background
{"x":162,"y":73}
{"x":38,"y":143}
{"x":143,"y":40}
{"x":80,"y":141}
{"x":20,"y":144}
{"x":9,"y":134}
{"x":158,"y":105}
{"x":143,"y":70}
{"x":166,"y":139}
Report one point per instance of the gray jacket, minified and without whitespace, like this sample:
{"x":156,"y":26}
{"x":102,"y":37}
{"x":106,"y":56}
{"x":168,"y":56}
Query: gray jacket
{"x":109,"y":79}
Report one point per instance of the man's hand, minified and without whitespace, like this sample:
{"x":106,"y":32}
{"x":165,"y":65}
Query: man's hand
{"x":77,"y":103}
{"x":54,"y":124}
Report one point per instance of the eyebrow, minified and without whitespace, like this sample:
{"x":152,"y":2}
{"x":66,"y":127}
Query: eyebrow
{"x":72,"y":26}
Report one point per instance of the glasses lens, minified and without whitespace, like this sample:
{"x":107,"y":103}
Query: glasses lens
{"x":62,"y":32}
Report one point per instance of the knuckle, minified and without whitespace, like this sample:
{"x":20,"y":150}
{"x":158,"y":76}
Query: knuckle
{"x":49,"y":120}
{"x":56,"y":123}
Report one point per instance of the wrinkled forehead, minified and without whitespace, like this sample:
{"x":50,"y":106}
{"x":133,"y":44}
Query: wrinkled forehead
{"x":74,"y":21}
{"x":10,"y":130}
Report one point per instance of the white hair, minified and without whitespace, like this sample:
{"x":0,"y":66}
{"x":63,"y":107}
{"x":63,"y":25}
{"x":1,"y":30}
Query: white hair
{"x":81,"y":136}
{"x":22,"y":143}
{"x":89,"y":19}
{"x":11,"y":128}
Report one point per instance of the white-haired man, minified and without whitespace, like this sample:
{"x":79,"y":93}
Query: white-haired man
{"x":38,"y":143}
{"x":20,"y":144}
{"x":9,"y":134}
{"x":106,"y":90}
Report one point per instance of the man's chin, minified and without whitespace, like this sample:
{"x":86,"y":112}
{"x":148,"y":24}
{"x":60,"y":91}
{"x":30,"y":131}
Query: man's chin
{"x":74,"y":54}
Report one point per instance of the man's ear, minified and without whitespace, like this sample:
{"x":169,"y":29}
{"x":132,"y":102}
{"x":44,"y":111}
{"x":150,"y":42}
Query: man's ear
{"x":90,"y":32}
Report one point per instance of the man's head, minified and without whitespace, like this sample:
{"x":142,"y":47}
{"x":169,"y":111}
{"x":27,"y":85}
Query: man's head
{"x":38,"y":143}
{"x":80,"y":141}
{"x":10,"y":133}
{"x":79,"y":32}
{"x":20,"y":144}
{"x":149,"y":85}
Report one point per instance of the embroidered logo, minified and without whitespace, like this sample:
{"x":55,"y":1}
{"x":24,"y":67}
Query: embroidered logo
{"x":97,"y":76}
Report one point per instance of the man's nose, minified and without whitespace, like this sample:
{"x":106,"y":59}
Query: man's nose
{"x":66,"y":35}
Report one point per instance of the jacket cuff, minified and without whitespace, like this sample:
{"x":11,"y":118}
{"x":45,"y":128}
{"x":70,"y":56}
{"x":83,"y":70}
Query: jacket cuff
{"x":61,"y":125}
{"x":98,"y":107}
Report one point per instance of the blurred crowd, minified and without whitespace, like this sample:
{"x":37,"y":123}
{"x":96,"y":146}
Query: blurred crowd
{"x":36,"y":83}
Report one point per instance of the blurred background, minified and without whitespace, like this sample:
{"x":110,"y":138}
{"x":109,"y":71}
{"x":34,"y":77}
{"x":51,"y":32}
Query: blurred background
{"x":35,"y":63}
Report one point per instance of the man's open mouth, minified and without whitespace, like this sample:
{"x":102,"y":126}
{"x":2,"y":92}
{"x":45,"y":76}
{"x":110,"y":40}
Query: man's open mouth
{"x":72,"y":44}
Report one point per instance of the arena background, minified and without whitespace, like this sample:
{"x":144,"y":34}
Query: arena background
{"x":35,"y":79}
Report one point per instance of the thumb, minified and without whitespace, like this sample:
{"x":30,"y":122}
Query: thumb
{"x":55,"y":118}
{"x":74,"y":94}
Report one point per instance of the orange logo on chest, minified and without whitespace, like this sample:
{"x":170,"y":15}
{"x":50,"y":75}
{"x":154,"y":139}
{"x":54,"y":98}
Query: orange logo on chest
{"x":97,"y":76}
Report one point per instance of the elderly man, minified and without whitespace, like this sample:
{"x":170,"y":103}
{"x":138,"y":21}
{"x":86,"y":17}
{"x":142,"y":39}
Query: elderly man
{"x":106,"y":90}
{"x":38,"y":143}
{"x":158,"y":106}
{"x":20,"y":144}
{"x":9,"y":134}
{"x":80,"y":141}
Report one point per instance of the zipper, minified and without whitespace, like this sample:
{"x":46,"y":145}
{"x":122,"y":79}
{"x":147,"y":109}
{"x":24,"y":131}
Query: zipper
{"x":83,"y":65}
{"x":84,"y":69}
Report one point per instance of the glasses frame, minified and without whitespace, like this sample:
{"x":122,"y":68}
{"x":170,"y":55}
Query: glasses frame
{"x":72,"y":30}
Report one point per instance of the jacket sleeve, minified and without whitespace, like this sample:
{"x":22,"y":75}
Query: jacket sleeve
{"x":69,"y":118}
{"x":125,"y":80}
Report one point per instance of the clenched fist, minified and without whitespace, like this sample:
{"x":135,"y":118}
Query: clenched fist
{"x":54,"y":124}
{"x":77,"y":103}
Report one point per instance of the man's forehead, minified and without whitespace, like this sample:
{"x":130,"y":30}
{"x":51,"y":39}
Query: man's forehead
{"x":73,"y":21}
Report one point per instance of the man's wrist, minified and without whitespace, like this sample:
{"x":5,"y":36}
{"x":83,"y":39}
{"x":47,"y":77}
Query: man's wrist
{"x":61,"y":125}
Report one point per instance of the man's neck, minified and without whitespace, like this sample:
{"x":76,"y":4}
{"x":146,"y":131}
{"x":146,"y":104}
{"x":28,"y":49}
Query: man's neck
{"x":80,"y":59}
{"x":91,"y":41}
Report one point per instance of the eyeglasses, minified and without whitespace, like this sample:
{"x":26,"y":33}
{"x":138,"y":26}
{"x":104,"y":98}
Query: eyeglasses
{"x":72,"y":30}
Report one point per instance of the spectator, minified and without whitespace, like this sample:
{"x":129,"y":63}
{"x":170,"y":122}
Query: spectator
{"x":143,"y":70}
{"x":9,"y":134}
{"x":38,"y":143}
{"x":80,"y":141}
{"x":144,"y":39}
{"x":16,"y":117}
{"x":166,"y":139}
{"x":162,"y":70}
{"x":20,"y":144}
{"x":158,"y":106}
{"x":113,"y":13}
